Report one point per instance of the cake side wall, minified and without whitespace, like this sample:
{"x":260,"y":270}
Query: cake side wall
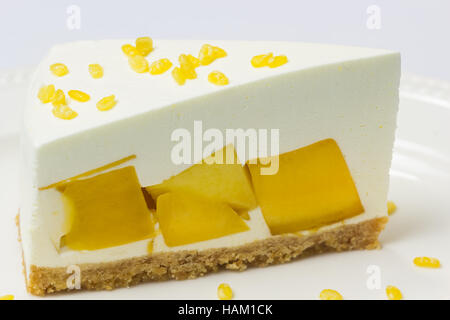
{"x":353,"y":102}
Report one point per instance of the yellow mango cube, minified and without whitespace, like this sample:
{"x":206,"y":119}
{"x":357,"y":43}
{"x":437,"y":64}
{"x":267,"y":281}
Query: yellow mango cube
{"x":185,"y":218}
{"x":214,"y":179}
{"x":105,"y":211}
{"x":312,"y":188}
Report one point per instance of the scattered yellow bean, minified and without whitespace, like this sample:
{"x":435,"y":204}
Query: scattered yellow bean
{"x":427,"y":262}
{"x":224,"y":292}
{"x":160,"y":66}
{"x":64,"y":112}
{"x":144,"y":45}
{"x":179,"y":76}
{"x":138,"y":63}
{"x":59,"y":98}
{"x":329,"y":294}
{"x":59,"y":69}
{"x":218,"y":78}
{"x":391,"y":207}
{"x":129,"y":50}
{"x":78,"y":95}
{"x":46,"y":93}
{"x":106,"y":103}
{"x":277,"y":61}
{"x":393,"y":293}
{"x":261,"y":60}
{"x":96,"y":71}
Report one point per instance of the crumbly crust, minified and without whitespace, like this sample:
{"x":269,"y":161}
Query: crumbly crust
{"x":192,"y":264}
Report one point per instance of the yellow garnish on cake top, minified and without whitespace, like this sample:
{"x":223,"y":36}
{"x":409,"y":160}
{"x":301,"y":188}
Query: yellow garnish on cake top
{"x":129,"y":50}
{"x":106,"y":103}
{"x":224,"y":292}
{"x":218,"y":78}
{"x":46,"y":93}
{"x":219,"y":52}
{"x":160,"y":66}
{"x":64,"y":112}
{"x":138,"y":63}
{"x":329,"y":294}
{"x":261,"y":60}
{"x":268,"y":60}
{"x":7,"y":297}
{"x":59,"y":99}
{"x":393,"y":293}
{"x":186,"y":70}
{"x":79,"y":96}
{"x":209,"y":53}
{"x":427,"y":262}
{"x":195,"y":61}
{"x":144,"y":45}
{"x":96,"y":71}
{"x":179,"y":76}
{"x":59,"y":69}
{"x":187,"y":67}
{"x":277,"y":61}
{"x":206,"y":55}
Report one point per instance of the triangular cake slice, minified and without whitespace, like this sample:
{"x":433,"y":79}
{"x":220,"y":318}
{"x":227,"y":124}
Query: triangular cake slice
{"x":158,"y":159}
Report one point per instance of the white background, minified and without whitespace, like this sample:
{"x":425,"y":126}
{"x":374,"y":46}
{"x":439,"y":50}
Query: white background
{"x":419,"y":29}
{"x":420,"y":175}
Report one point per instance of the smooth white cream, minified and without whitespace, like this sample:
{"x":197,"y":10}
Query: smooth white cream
{"x":345,"y":93}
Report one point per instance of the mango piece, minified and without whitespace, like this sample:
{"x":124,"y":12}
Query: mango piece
{"x":185,"y":218}
{"x":313,"y":188}
{"x":105,"y":211}
{"x":213,"y":179}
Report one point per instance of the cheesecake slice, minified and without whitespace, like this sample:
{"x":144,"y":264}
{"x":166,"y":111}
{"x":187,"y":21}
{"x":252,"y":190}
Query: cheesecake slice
{"x":151,"y":160}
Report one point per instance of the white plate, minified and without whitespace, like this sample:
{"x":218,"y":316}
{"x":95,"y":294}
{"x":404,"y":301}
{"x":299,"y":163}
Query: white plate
{"x":420,"y":186}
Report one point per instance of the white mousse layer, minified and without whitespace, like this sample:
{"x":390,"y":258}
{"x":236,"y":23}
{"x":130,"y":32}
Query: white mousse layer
{"x":345,"y":93}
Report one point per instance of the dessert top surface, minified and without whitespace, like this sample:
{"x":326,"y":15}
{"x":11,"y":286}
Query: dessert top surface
{"x":136,"y":93}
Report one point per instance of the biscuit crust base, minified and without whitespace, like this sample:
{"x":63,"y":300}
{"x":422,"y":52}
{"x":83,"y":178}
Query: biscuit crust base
{"x":192,"y":264}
